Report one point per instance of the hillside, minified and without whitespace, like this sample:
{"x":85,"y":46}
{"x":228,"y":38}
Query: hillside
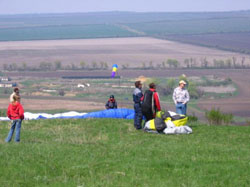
{"x":109,"y":152}
{"x":204,"y":27}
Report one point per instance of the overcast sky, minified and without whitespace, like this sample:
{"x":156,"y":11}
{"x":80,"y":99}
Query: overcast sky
{"x":59,"y":6}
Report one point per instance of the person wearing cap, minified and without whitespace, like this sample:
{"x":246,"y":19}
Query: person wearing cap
{"x":181,"y":98}
{"x":137,"y":98}
{"x":15,"y":92}
{"x":111,"y":103}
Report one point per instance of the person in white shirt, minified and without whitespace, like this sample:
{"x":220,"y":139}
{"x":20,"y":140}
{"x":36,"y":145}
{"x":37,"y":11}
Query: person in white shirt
{"x":181,"y":98}
{"x":15,"y":92}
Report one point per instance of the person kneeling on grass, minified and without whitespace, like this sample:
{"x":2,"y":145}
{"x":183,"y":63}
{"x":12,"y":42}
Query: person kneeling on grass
{"x":111,"y":103}
{"x":15,"y":113}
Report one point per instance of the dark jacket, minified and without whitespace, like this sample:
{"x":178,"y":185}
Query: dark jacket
{"x":111,"y":104}
{"x":137,"y":96}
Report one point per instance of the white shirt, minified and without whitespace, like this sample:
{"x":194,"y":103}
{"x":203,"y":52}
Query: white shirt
{"x":180,"y":95}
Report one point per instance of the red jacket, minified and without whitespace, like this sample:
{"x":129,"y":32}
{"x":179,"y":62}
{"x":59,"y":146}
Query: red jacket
{"x":15,"y":111}
{"x":156,"y":99}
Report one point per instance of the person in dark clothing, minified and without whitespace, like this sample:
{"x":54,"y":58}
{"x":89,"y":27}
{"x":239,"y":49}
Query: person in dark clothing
{"x":111,"y":103}
{"x":151,"y":103}
{"x":137,"y":98}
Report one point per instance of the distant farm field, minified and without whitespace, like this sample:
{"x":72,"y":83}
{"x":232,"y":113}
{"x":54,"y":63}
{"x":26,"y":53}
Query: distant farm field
{"x":131,"y":52}
{"x":227,"y":41}
{"x":128,"y":24}
{"x":63,"y":32}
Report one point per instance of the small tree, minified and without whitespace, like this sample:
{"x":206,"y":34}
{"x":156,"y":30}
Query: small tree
{"x":234,"y":62}
{"x":94,"y":65}
{"x":229,"y":63}
{"x":150,"y":65}
{"x":187,"y":63}
{"x":242,"y":62}
{"x":143,"y":65}
{"x":58,"y":65}
{"x":61,"y":92}
{"x":82,"y":64}
{"x":171,"y":83}
{"x":106,"y":65}
{"x":172,"y":63}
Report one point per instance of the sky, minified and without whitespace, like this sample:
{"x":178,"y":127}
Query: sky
{"x":64,"y":6}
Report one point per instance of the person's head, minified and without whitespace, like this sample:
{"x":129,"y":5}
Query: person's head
{"x":138,"y":84}
{"x":16,"y":98}
{"x":112,"y":97}
{"x":16,"y":90}
{"x":182,"y":84}
{"x":152,"y":85}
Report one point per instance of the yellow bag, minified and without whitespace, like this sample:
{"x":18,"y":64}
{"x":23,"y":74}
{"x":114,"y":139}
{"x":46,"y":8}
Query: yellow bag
{"x":177,"y":119}
{"x":179,"y":122}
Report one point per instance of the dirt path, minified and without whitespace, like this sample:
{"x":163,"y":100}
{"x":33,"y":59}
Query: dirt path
{"x":57,"y":104}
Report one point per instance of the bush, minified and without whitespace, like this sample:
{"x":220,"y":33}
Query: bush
{"x":61,"y":92}
{"x":194,"y":92}
{"x":2,"y":112}
{"x":216,"y":117}
{"x":192,"y":118}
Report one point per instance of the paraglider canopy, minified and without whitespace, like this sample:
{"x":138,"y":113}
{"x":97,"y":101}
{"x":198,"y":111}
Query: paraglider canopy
{"x":114,"y":69}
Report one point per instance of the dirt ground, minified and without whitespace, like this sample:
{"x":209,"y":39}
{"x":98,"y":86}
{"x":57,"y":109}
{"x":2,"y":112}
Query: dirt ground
{"x":132,"y":51}
{"x":42,"y":104}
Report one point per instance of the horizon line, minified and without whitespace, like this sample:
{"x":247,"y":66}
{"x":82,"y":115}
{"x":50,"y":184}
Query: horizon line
{"x":118,"y":11}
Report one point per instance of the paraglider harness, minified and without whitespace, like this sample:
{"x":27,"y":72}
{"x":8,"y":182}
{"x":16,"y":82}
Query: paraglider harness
{"x":148,"y":103}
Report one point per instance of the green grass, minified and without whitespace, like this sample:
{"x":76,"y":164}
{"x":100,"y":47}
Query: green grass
{"x":109,"y":152}
{"x":63,"y":32}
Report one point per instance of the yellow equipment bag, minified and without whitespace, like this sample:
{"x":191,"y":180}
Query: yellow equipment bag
{"x":177,"y":119}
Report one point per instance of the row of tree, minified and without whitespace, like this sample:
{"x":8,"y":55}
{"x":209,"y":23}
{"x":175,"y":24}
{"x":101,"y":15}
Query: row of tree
{"x":57,"y":65}
{"x":190,"y":63}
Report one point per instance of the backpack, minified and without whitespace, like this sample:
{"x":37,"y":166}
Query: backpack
{"x":147,"y":102}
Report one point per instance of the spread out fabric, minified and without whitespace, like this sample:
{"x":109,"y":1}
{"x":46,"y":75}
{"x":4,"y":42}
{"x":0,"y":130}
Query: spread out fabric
{"x":122,"y":113}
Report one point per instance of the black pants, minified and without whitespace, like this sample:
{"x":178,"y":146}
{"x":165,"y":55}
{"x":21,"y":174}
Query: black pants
{"x":138,"y":116}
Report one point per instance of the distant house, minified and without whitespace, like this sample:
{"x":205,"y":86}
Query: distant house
{"x":8,"y":85}
{"x":5,"y":79}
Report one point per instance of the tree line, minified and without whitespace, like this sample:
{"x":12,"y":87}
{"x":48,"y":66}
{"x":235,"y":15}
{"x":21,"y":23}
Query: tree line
{"x":188,"y":63}
{"x":57,"y":65}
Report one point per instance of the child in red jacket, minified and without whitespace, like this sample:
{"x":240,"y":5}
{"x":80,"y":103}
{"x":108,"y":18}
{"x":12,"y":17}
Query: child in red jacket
{"x":16,"y":113}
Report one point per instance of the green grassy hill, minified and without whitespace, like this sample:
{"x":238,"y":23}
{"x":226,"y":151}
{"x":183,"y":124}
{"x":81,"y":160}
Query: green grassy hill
{"x":110,"y":152}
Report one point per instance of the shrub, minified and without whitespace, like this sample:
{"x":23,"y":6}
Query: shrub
{"x":192,"y":118}
{"x":61,"y":92}
{"x":2,"y":112}
{"x":194,"y":92}
{"x":216,"y":117}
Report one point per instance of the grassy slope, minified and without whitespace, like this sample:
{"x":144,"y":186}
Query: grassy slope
{"x":95,"y":152}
